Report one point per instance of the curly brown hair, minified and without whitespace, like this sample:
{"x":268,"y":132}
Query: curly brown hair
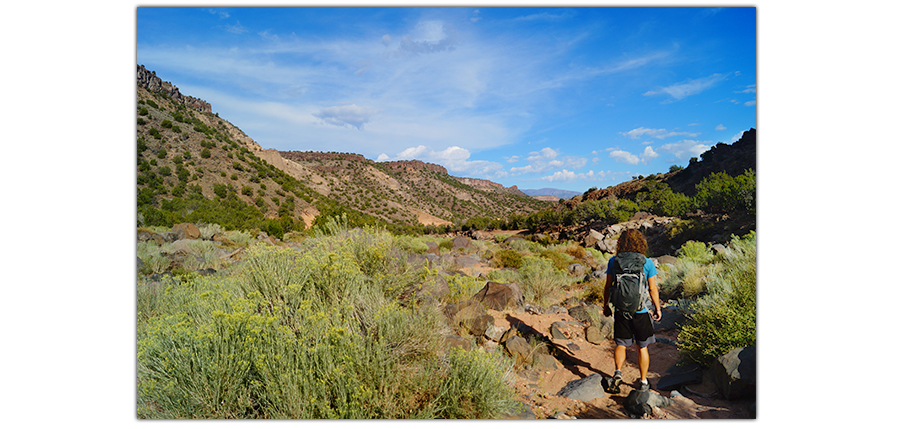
{"x":631,"y":240}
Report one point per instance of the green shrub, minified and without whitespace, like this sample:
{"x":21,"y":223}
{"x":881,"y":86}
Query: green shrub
{"x":205,"y":153}
{"x":504,"y":258}
{"x":161,"y":154}
{"x":166,"y":123}
{"x":725,"y":317}
{"x":696,"y":252}
{"x":541,"y":283}
{"x":220,"y":190}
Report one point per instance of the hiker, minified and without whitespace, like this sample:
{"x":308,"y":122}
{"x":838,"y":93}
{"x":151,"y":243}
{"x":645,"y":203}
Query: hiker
{"x":632,"y":319}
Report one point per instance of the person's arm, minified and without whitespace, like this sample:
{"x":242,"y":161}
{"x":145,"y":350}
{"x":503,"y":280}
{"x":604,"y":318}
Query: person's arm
{"x":606,"y":290}
{"x":654,"y":296}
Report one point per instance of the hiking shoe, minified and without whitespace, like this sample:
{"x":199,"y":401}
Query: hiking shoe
{"x":611,"y":385}
{"x":617,"y":375}
{"x":643,"y":387}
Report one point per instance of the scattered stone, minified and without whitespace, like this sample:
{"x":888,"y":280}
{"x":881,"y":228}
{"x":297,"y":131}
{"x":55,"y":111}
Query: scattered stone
{"x":667,"y":260}
{"x":468,"y":317}
{"x":186,"y":231}
{"x":461,"y":242}
{"x":435,"y":287}
{"x":140,"y":264}
{"x":467,"y":261}
{"x":456,"y":341}
{"x":500,"y":296}
{"x":640,"y":402}
{"x":519,"y":411}
{"x":433,"y":248}
{"x":680,"y":375}
{"x":494,"y":333}
{"x":557,"y":309}
{"x":576,"y":270}
{"x":543,"y":361}
{"x":718,"y":249}
{"x":584,"y":389}
{"x":735,"y":373}
{"x":556,"y":332}
{"x":592,"y":238}
{"x":518,"y":348}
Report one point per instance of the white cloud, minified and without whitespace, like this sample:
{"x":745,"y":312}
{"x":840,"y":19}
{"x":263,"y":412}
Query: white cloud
{"x":689,"y":87}
{"x":750,"y":89}
{"x":623,"y":156}
{"x":750,"y":103}
{"x":571,"y":176}
{"x":720,"y":127}
{"x":382,"y":157}
{"x":454,"y":158}
{"x":629,"y":158}
{"x":349,"y":115}
{"x":659,"y":133}
{"x":546,"y":159}
{"x":686,"y":149}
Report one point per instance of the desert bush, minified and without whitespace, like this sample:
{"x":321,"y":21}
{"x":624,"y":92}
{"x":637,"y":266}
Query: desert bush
{"x":411,"y":244}
{"x":507,"y":258}
{"x":541,"y":283}
{"x":477,"y":385}
{"x":207,"y":231}
{"x":205,"y":153}
{"x":560,"y":261}
{"x":240,"y":238}
{"x":725,"y":317}
{"x":696,"y":252}
{"x":462,"y":288}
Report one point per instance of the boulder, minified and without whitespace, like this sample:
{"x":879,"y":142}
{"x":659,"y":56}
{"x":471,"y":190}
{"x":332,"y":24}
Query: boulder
{"x":519,"y":411}
{"x":435,"y":287}
{"x":222,"y":239}
{"x":680,"y":375}
{"x":735,"y":373}
{"x":140,"y":264}
{"x":670,"y":319}
{"x":513,"y":238}
{"x":589,"y":313}
{"x":186,"y":231}
{"x":467,"y":261}
{"x":455,"y":341}
{"x":500,"y":296}
{"x":544,"y":362}
{"x":592,"y":238}
{"x":584,"y":389}
{"x":640,"y":403}
{"x":557,"y":331}
{"x":433,"y":248}
{"x":599,"y":334}
{"x":576,"y":270}
{"x":494,"y":333}
{"x":667,"y":260}
{"x":718,"y":249}
{"x":461,"y":242}
{"x":518,"y":348}
{"x":607,"y":246}
{"x":468,"y":317}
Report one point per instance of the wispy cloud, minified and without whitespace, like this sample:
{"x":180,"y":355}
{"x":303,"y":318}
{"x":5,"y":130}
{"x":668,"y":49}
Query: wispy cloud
{"x":659,"y":133}
{"x":686,"y":149}
{"x":546,"y":159}
{"x":689,"y":87}
{"x":454,"y":158}
{"x":351,"y":115}
{"x":566,"y":176}
{"x":236,"y":28}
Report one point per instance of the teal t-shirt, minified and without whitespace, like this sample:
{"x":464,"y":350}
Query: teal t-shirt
{"x":649,"y":271}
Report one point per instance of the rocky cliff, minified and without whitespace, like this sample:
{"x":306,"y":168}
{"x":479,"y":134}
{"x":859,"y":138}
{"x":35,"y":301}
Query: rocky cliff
{"x":148,"y":79}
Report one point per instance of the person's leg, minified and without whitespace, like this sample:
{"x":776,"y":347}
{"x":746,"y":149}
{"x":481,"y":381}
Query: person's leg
{"x":644,"y":362}
{"x":619,"y":357}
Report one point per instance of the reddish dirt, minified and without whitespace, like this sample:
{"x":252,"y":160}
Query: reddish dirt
{"x":539,"y":390}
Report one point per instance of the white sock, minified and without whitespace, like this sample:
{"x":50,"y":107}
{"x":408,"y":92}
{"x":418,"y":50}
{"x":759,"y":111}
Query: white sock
{"x":643,"y":381}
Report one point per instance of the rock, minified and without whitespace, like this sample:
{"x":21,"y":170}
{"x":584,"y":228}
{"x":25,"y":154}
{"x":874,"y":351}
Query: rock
{"x":467,"y":261}
{"x":518,"y":348}
{"x":494,"y":333}
{"x":513,"y":238}
{"x":519,"y":411}
{"x":222,"y":239}
{"x":544,"y":362}
{"x":500,"y":296}
{"x":735,"y":373}
{"x":455,"y":341}
{"x":185,"y":247}
{"x":599,"y":334}
{"x":557,"y":331}
{"x":140,"y":264}
{"x":592,"y":238}
{"x":435,"y":287}
{"x":186,"y":231}
{"x":557,"y":309}
{"x":680,"y":375}
{"x":461,"y":242}
{"x":640,"y":403}
{"x":584,"y":389}
{"x":433,"y":248}
{"x":718,"y":249}
{"x":589,"y":313}
{"x":667,"y":259}
{"x":670,"y":319}
{"x":480,"y":235}
{"x":640,"y":216}
{"x":468,"y":317}
{"x":607,"y":246}
{"x":576,"y":270}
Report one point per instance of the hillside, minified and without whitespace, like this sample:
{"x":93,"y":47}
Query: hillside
{"x":195,"y":166}
{"x":550,"y":194}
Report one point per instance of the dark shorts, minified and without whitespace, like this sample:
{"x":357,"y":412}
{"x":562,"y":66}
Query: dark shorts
{"x":639,"y":329}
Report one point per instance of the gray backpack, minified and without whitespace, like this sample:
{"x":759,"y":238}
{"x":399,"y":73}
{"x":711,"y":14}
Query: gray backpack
{"x":630,"y":291}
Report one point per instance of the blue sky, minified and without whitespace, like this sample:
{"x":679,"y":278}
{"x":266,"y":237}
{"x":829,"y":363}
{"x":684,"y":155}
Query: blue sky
{"x":568,"y":98}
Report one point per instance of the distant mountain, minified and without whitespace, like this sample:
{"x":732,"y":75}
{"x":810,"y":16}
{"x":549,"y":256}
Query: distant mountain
{"x":550,"y":192}
{"x":193,"y":166}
